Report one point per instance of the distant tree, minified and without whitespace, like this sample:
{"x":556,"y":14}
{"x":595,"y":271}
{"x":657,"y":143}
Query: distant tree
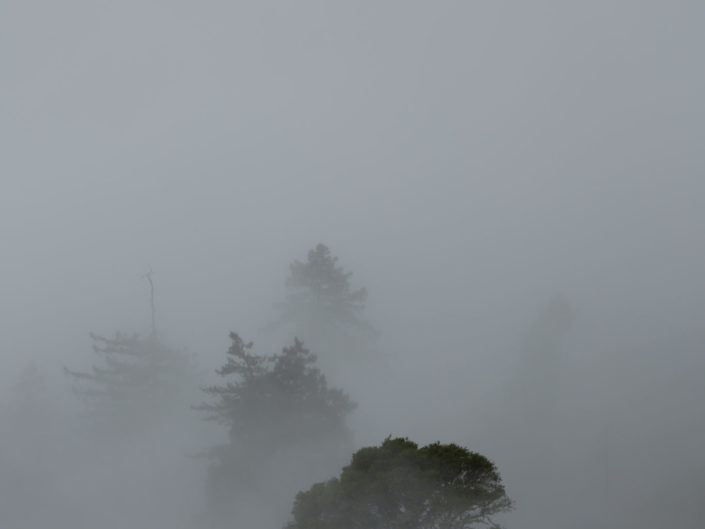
{"x":323,"y":307}
{"x":272,"y":405}
{"x":536,"y":389}
{"x":544,"y":339}
{"x":140,"y":378}
{"x":401,"y":486}
{"x":33,"y":449}
{"x":283,"y":391}
{"x":29,"y":414}
{"x":30,"y":394}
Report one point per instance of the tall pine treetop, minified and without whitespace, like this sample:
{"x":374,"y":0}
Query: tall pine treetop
{"x":321,"y":301}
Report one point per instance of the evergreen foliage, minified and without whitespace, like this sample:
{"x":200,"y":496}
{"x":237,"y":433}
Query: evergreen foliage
{"x":139,"y":378}
{"x":274,"y":406}
{"x":321,"y":295}
{"x":401,"y":486}
{"x":283,"y":392}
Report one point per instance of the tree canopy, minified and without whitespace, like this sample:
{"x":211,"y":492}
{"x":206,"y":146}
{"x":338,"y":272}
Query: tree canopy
{"x":280,"y":412}
{"x":284,"y":391}
{"x":139,"y":375}
{"x":321,"y":293}
{"x":401,"y":486}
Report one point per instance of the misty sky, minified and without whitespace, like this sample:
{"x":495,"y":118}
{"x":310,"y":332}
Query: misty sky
{"x":467,"y":160}
{"x":501,"y":149}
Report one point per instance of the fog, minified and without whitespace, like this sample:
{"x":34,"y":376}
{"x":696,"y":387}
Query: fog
{"x":517,"y":185}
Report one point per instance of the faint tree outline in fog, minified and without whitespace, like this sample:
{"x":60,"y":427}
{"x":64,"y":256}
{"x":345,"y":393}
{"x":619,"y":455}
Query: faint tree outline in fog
{"x":325,"y":310}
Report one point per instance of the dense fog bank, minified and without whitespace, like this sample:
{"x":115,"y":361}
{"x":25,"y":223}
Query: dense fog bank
{"x":516,"y":191}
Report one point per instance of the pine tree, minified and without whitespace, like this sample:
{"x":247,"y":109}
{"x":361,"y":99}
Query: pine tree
{"x":139,"y":378}
{"x":284,"y":392}
{"x":139,"y":381}
{"x":323,"y":308}
{"x":280,"y":413}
